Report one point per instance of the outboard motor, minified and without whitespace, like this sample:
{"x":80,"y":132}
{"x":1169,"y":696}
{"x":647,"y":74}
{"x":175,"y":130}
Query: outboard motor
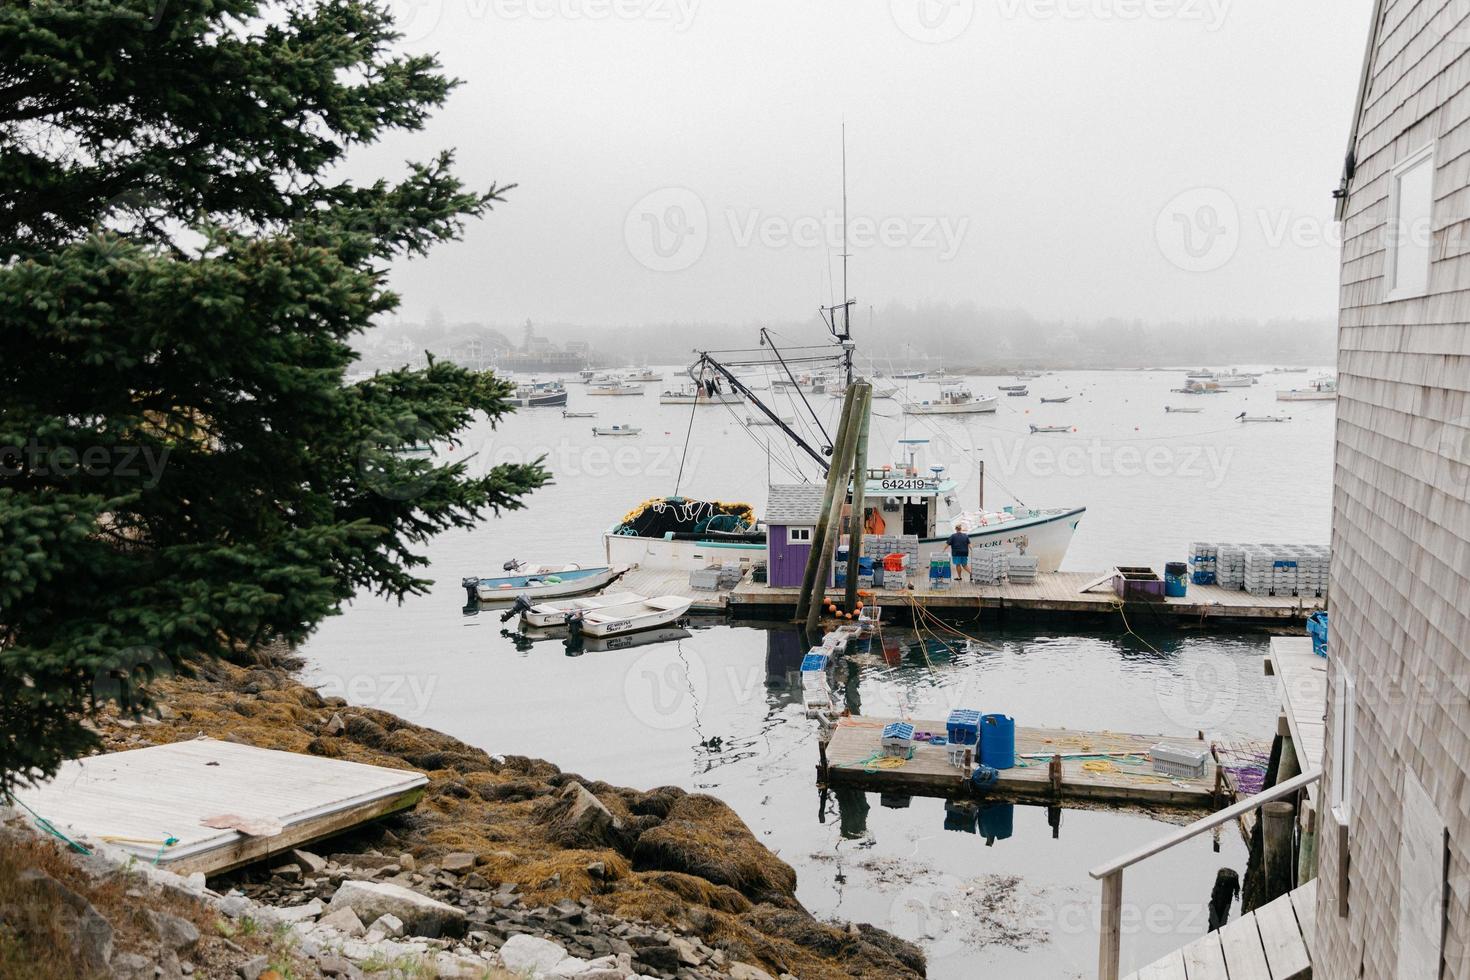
{"x":514,"y":565}
{"x":471,"y":585}
{"x":516,"y":608}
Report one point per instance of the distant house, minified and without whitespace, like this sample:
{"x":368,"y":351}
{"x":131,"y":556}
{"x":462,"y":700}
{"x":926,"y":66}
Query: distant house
{"x":1394,"y":857}
{"x":792,"y":512}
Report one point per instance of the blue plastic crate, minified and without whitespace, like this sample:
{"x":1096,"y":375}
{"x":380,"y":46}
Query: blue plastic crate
{"x":1317,"y":630}
{"x":1203,"y":578}
{"x":814,"y":661}
{"x":899,"y":733}
{"x":963,"y":727}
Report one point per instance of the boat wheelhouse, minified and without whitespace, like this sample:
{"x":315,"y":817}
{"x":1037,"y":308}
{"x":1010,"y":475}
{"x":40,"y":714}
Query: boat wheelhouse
{"x":540,"y":394}
{"x":953,"y":400}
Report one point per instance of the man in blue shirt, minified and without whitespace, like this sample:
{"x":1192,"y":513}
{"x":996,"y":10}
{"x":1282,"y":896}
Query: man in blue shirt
{"x":958,"y":547}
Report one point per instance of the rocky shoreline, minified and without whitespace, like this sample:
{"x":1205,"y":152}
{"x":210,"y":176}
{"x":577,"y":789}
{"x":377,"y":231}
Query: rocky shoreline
{"x":507,"y":863}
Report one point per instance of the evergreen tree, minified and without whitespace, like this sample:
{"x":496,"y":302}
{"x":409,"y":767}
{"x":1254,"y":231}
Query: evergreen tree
{"x":184,"y":471}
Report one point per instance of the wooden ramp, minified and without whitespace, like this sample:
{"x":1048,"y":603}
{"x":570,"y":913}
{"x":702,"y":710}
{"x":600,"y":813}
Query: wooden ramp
{"x":1272,"y":943}
{"x":1303,"y":677}
{"x":138,"y":799}
{"x":1098,"y":766}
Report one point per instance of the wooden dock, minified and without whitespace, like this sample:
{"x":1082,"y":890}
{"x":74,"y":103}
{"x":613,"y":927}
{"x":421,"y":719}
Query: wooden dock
{"x":1054,"y":595}
{"x":664,"y":581}
{"x":141,"y":799}
{"x":1303,"y":677}
{"x":1274,"y":942}
{"x":1095,"y":766}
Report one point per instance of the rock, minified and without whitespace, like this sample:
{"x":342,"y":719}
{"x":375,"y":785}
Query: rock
{"x":334,"y":966}
{"x":366,"y":862}
{"x":597,"y":869}
{"x":406,"y":861}
{"x":744,"y":971}
{"x":662,"y":958}
{"x":131,"y":966}
{"x":689,"y":954}
{"x":388,"y":925}
{"x":287,"y":872}
{"x":336,"y":725}
{"x":252,"y":968}
{"x":475,"y":880}
{"x":457,"y":861}
{"x":419,"y":914}
{"x":528,"y":954}
{"x":454,"y":965}
{"x":91,"y":934}
{"x":308,"y":862}
{"x":344,"y":919}
{"x":572,"y":966}
{"x":174,"y":932}
{"x":298,"y":913}
{"x":235,"y":906}
{"x":195,"y":882}
{"x":587,"y":817}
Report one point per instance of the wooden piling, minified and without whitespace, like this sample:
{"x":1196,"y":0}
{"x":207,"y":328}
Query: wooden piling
{"x":1277,"y":820}
{"x":835,"y":474}
{"x":837,"y":477}
{"x":864,"y":408}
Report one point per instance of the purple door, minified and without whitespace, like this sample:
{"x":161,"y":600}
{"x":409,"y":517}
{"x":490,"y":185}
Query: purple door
{"x":787,"y":557}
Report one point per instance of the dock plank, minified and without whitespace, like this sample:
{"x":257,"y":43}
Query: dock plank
{"x":1171,"y":967}
{"x":1304,"y":904}
{"x":1204,"y":959}
{"x":1281,"y":940}
{"x":1240,"y":941}
{"x":855,"y":741}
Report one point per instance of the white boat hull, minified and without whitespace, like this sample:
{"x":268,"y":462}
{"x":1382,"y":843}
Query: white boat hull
{"x":691,"y":400}
{"x":689,"y":556}
{"x":609,"y":623}
{"x":1306,"y":396}
{"x":615,"y":392}
{"x":555,"y":613}
{"x":977,"y":407}
{"x":548,"y":590}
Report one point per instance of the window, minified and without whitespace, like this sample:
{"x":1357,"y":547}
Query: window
{"x":1410,"y":230}
{"x":1344,"y":718}
{"x":798,"y":535}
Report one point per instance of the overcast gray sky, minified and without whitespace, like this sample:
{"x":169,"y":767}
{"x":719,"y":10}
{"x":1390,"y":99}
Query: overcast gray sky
{"x":680,"y":159}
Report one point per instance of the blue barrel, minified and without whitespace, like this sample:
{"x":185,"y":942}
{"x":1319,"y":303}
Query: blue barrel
{"x":998,"y":741}
{"x":997,"y":821}
{"x":1176,"y":579}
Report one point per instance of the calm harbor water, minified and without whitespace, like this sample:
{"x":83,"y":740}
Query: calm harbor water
{"x":1002,"y":893}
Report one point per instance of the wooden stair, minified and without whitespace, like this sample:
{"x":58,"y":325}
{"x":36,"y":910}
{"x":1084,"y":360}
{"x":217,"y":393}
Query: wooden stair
{"x":1272,"y":943}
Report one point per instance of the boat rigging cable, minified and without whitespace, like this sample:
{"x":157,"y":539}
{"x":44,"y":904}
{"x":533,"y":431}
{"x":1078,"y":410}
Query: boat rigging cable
{"x":766,"y":339}
{"x":693,"y":407}
{"x":705,"y":359}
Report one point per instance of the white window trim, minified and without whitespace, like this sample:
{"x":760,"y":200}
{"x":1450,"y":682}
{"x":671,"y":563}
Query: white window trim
{"x":1344,"y":744}
{"x":1390,"y":267}
{"x":791,"y":537}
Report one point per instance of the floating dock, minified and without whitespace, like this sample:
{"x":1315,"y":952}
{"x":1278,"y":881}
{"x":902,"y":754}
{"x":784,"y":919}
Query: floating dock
{"x":158,"y":802}
{"x":1095,"y":767}
{"x":1054,"y":596}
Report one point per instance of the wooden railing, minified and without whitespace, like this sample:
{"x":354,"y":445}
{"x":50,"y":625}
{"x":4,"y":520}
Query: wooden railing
{"x":1110,"y":932}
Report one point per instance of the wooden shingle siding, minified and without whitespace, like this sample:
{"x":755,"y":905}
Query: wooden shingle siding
{"x":1401,"y":505}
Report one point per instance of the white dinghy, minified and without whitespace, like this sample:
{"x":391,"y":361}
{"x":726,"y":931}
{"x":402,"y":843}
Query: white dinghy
{"x":630,"y":617}
{"x":555,"y":613}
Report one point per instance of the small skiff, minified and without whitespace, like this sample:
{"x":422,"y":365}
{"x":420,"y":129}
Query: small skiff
{"x":1242,"y":417}
{"x":615,"y":430}
{"x":539,"y":582}
{"x":1182,"y":411}
{"x":578,"y":415}
{"x":1049,"y":428}
{"x":555,"y":613}
{"x":1011,"y":387}
{"x":630,"y":617}
{"x":1056,"y":401}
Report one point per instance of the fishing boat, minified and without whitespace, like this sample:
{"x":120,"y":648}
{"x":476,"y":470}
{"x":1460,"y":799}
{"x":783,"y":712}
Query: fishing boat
{"x":578,"y":415}
{"x":642,"y":374}
{"x":1056,"y":401}
{"x":707,"y":394}
{"x":1242,"y":417}
{"x":1320,"y":391}
{"x":1204,"y":374}
{"x":762,"y":420}
{"x":1017,"y":393}
{"x":1235,"y":380}
{"x":540,"y":394}
{"x":1009,"y":388}
{"x":538,"y":582}
{"x":615,"y":430}
{"x":555,"y":613}
{"x":1028,"y":375}
{"x":953,"y":400}
{"x":586,"y":375}
{"x":909,"y":375}
{"x":613,"y":387}
{"x":1050,"y":428}
{"x":632,"y":617}
{"x":1200,"y":388}
{"x":1177,"y":410}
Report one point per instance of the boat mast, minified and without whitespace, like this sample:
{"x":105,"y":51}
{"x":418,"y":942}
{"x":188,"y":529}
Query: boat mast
{"x":829,"y":313}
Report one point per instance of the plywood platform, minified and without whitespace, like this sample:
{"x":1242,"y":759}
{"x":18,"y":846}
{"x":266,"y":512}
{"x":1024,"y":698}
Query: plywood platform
{"x":662,"y":581}
{"x":1272,"y":943}
{"x":1127,"y":778}
{"x":1055,"y":594}
{"x":140,"y":798}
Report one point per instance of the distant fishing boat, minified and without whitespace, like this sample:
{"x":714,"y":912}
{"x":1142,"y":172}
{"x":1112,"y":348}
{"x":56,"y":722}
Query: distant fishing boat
{"x":1027,"y":375}
{"x":1201,"y":373}
{"x":555,"y":613}
{"x":615,"y":430}
{"x":632,"y":617}
{"x":1056,"y":401}
{"x":642,"y":374}
{"x":1017,"y":393}
{"x":1182,"y":411}
{"x":538,"y":582}
{"x":1049,"y":428}
{"x":578,"y":415}
{"x":908,"y":375}
{"x":1011,"y":387}
{"x":540,"y":394}
{"x":614,"y":387}
{"x":1321,"y":391}
{"x":1242,"y":417}
{"x":762,"y":420}
{"x":954,"y":400}
{"x":691,"y":395}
